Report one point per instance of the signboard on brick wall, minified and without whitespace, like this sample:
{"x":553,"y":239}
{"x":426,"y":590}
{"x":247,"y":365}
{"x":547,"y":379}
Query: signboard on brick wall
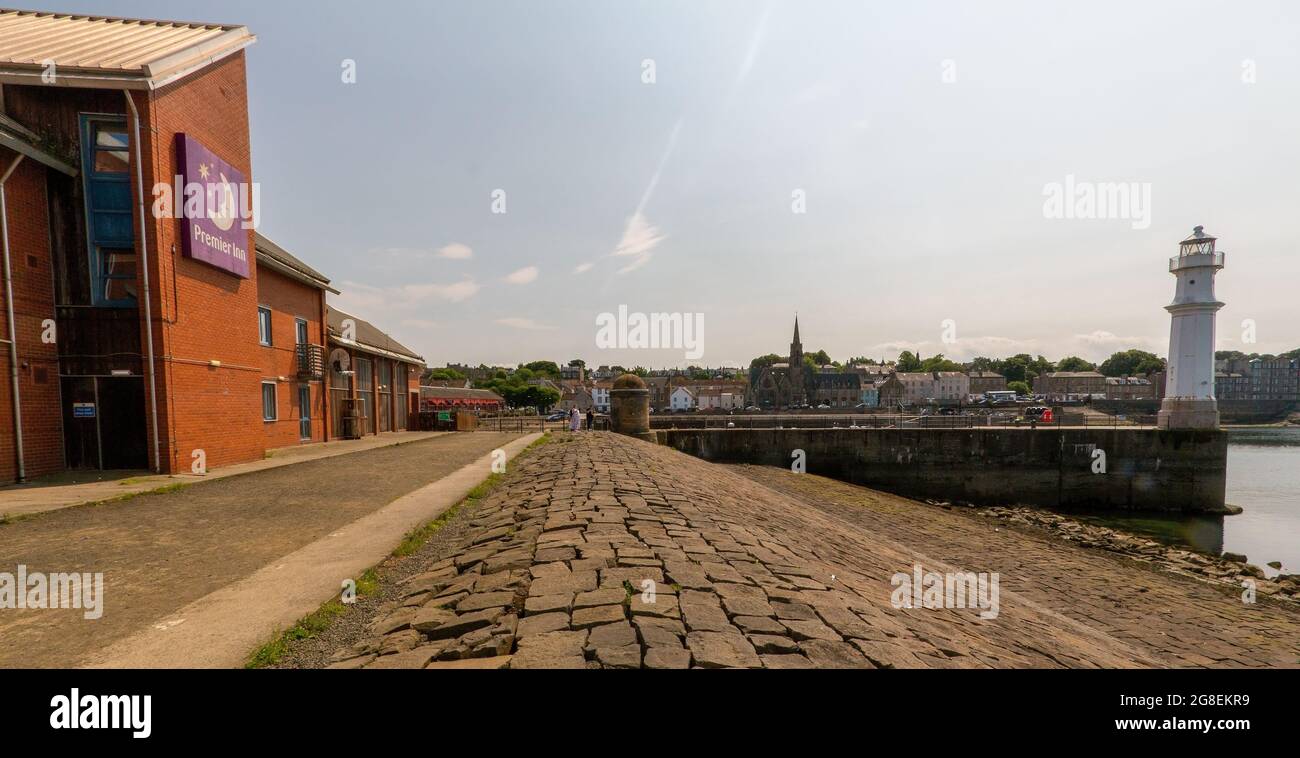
{"x":213,"y":229}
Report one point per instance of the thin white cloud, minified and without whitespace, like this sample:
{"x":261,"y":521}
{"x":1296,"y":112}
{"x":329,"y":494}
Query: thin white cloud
{"x":456,"y":292}
{"x":526,"y":275}
{"x":526,"y":324}
{"x":363,"y":296}
{"x":1101,"y":338}
{"x":456,"y":251}
{"x":583,"y":268}
{"x":640,"y":238}
{"x":755,"y":45}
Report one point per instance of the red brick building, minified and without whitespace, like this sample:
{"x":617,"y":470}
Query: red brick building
{"x":135,"y":328}
{"x":374,"y":379}
{"x":292,"y":333}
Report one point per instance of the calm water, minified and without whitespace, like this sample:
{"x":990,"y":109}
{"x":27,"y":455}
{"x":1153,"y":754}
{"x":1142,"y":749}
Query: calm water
{"x":1264,"y":479}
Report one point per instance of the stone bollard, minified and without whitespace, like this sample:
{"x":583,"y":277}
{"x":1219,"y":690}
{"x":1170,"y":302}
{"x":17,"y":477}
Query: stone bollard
{"x":629,"y":407}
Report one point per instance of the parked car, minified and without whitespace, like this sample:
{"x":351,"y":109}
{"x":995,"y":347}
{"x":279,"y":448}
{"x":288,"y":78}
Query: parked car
{"x":559,"y":416}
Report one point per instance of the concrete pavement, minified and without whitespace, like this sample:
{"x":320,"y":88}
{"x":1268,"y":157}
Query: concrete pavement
{"x":81,"y":487}
{"x":219,"y":630}
{"x":159,"y":553}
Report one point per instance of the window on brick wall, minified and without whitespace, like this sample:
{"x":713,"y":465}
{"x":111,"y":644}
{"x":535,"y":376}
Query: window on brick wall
{"x":269,"y":411}
{"x":264,"y":325}
{"x":105,"y":163}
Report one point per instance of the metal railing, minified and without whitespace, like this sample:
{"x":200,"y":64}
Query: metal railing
{"x":529,"y":424}
{"x":899,"y":421}
{"x":310,"y":361}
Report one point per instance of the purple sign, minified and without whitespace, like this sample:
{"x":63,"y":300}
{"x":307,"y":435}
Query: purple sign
{"x":215,"y":231}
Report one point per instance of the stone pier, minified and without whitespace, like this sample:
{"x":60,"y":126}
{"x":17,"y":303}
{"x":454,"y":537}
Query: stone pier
{"x":604,"y":551}
{"x":1084,"y":468}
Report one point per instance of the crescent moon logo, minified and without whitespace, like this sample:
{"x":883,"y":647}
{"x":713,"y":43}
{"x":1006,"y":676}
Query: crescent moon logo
{"x":224,"y":214}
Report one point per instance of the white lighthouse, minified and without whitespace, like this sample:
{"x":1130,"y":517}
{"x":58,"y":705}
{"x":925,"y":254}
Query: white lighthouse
{"x":1189,"y":389}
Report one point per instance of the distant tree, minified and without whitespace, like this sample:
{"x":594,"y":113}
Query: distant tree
{"x":1132,"y":363}
{"x":578,"y":362}
{"x":908,"y":363}
{"x":1039,"y":366}
{"x":821,"y":358}
{"x":1020,"y":388}
{"x":757,"y":365}
{"x":1075,"y":363}
{"x":939,"y":363}
{"x":541,"y":398}
{"x":444,"y":375}
{"x":641,"y":371}
{"x":544,"y":368}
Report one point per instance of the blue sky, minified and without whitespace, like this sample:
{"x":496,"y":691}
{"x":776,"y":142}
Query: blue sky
{"x":921,"y":135}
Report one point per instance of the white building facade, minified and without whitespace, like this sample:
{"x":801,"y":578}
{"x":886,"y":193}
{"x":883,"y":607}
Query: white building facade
{"x":600,"y":396}
{"x":682,"y":399}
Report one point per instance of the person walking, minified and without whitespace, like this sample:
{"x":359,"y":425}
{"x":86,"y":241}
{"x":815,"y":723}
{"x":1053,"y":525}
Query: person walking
{"x":575,"y":419}
{"x":591,"y":419}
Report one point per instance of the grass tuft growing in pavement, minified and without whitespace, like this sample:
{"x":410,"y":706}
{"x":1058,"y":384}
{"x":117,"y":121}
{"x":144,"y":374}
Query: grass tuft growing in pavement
{"x":319,"y":620}
{"x":415,"y":539}
{"x":310,"y":625}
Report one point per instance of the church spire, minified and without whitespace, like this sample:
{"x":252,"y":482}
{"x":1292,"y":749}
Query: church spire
{"x":796,"y":347}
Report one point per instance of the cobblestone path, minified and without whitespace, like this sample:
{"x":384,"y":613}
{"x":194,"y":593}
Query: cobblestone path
{"x":554,"y":568}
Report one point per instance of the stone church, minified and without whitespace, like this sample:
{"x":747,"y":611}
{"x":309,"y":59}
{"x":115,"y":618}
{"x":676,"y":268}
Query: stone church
{"x":784,"y":385}
{"x":793,"y":384}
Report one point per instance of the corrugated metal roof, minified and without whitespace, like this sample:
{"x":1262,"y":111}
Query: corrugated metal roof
{"x":368,"y":336}
{"x":101,"y":51}
{"x":458,"y":393}
{"x":296,"y":268}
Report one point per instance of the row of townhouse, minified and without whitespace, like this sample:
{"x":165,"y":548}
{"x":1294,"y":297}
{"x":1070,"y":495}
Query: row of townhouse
{"x":667,"y":393}
{"x":918,"y":388}
{"x":1258,"y":379}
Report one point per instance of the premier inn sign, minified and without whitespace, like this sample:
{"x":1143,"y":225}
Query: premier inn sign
{"x":216,"y":231}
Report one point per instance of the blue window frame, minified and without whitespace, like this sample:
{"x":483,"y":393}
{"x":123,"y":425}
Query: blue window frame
{"x":106,"y":168}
